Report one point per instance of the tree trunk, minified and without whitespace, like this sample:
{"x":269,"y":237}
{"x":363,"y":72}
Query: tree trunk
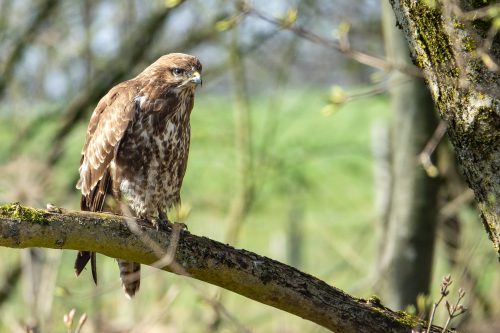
{"x":408,"y":254}
{"x":459,"y":54}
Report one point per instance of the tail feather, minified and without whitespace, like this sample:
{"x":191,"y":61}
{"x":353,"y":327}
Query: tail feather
{"x":93,"y":202}
{"x":81,"y":261}
{"x":130,"y":274}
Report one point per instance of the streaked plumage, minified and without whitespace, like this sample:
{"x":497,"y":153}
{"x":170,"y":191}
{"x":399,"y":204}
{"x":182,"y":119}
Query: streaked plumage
{"x":137,"y":147}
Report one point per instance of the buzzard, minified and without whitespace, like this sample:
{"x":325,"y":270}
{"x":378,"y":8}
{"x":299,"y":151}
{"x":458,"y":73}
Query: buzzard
{"x":136,"y":149}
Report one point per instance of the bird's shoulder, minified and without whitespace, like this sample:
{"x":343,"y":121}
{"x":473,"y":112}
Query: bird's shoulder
{"x":117,"y":103}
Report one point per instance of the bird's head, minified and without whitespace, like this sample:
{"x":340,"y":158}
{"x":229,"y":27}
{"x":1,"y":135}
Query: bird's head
{"x":179,"y":70}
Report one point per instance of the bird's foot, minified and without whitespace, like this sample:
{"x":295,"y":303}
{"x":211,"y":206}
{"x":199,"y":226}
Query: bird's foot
{"x":166,"y":225}
{"x":53,"y":208}
{"x":181,"y":226}
{"x":162,"y":224}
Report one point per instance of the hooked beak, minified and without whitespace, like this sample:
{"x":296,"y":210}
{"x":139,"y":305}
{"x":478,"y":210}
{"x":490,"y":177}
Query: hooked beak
{"x":196,"y":78}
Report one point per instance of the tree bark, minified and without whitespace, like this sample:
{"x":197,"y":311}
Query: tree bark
{"x":409,"y":243}
{"x":459,"y":56}
{"x":246,"y":273}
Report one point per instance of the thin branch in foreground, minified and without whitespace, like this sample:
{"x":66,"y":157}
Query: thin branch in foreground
{"x":68,"y":321}
{"x":259,"y":278}
{"x":425,"y":156}
{"x":166,"y":258}
{"x":444,"y":292}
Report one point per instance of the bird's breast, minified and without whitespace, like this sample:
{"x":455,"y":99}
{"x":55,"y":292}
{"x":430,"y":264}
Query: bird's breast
{"x":151,"y":163}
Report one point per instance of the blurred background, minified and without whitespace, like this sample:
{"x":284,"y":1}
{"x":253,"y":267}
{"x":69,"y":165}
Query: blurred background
{"x":304,"y":149}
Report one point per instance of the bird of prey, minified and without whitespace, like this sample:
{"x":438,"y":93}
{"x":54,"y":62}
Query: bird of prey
{"x":136,"y":150}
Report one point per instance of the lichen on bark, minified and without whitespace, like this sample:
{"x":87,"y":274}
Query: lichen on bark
{"x":465,"y":90}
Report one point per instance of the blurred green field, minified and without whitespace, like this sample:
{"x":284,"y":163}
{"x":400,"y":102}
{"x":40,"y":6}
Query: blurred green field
{"x":316,"y":170}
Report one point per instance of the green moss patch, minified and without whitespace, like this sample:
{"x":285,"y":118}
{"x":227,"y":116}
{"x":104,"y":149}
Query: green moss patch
{"x":17,"y":211}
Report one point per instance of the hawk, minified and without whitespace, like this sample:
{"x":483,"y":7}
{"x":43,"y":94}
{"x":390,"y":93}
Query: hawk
{"x":136,"y":150}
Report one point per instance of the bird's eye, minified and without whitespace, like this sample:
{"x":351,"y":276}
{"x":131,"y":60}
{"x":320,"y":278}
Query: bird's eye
{"x":177,"y":71}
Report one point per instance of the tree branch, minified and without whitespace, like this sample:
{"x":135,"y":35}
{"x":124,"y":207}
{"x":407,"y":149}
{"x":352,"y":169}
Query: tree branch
{"x":259,"y":278}
{"x":361,"y":57}
{"x":44,"y":12}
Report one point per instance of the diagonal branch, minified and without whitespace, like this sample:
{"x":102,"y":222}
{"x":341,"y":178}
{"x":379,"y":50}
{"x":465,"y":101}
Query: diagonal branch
{"x":44,"y":12}
{"x":344,"y":48}
{"x":259,"y":278}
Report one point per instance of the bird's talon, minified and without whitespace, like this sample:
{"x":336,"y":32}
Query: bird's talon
{"x":181,"y":226}
{"x":53,"y":208}
{"x":163,"y":225}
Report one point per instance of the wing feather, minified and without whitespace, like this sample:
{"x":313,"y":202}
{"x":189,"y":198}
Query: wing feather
{"x":108,"y":124}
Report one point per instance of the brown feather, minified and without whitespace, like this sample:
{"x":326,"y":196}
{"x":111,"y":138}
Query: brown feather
{"x":130,"y":276}
{"x":106,"y":128}
{"x":136,"y":148}
{"x":93,"y":202}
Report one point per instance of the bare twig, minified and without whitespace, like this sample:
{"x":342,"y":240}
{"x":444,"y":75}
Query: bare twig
{"x":454,"y":310}
{"x":451,"y":208}
{"x":81,"y":322}
{"x":444,"y":292}
{"x":159,"y":310}
{"x":217,"y":305}
{"x":430,"y":147}
{"x":339,"y":45}
{"x":483,"y":13}
{"x":480,"y":13}
{"x":68,"y":321}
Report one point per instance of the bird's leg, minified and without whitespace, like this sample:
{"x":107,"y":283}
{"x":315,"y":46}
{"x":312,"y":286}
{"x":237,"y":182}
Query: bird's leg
{"x":162,"y":223}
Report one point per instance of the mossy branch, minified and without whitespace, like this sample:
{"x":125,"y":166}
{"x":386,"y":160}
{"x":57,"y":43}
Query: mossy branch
{"x":259,"y":278}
